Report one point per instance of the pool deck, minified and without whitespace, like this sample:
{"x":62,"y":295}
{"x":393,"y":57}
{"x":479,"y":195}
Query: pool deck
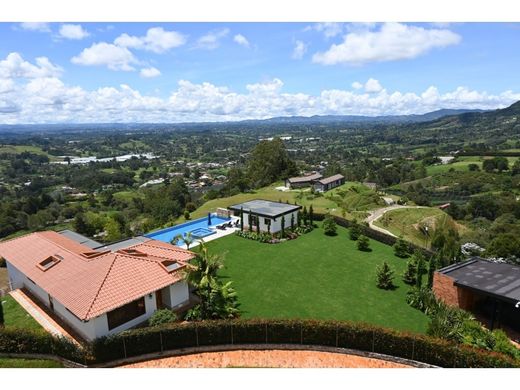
{"x":219,"y":234}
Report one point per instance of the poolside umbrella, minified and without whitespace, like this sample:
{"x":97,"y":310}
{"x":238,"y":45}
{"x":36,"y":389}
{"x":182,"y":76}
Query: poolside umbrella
{"x":209,"y":219}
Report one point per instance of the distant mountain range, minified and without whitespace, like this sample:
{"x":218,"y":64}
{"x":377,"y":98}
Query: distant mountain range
{"x":459,"y":117}
{"x":430,"y":116}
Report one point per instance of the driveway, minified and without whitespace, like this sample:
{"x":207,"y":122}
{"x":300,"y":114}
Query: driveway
{"x":378,"y":213}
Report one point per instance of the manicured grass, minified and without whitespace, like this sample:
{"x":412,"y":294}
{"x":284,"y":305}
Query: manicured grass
{"x":15,"y":316}
{"x":29,"y":363}
{"x":316,"y":276}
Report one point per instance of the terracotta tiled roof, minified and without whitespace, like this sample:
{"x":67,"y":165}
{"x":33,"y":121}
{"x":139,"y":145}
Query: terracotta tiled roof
{"x":91,"y":287}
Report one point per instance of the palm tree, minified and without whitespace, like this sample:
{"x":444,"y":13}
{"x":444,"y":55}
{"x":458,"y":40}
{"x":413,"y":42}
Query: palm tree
{"x":175,"y":240}
{"x":217,"y":300}
{"x":188,"y":240}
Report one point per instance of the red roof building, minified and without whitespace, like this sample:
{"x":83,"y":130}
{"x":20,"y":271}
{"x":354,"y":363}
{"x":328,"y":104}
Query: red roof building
{"x":97,"y":292}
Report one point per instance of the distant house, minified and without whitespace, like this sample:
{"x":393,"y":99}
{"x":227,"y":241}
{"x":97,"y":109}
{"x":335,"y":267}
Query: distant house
{"x":98,"y":292}
{"x":264,"y":213}
{"x":371,"y":185}
{"x":302,"y":181}
{"x":329,"y":183}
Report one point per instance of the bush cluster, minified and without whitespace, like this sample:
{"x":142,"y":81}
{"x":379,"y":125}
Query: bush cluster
{"x":457,"y":325}
{"x":358,"y":336}
{"x":23,"y":341}
{"x":267,"y":237}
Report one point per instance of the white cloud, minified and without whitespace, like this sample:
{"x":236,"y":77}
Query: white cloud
{"x":33,"y":93}
{"x":372,"y":86}
{"x":149,"y":72}
{"x":102,"y":53}
{"x":14,"y":66}
{"x":73,"y":31}
{"x":357,"y":85}
{"x":35,"y":26}
{"x":329,"y":29}
{"x":392,"y":41}
{"x":211,"y":40}
{"x":241,"y":40}
{"x":156,"y":40}
{"x":300,"y":48}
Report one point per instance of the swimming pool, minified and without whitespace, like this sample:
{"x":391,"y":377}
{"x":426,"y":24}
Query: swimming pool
{"x":199,"y":228}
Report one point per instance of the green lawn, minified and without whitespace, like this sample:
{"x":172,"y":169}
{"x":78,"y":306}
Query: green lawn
{"x":316,"y":276}
{"x":15,"y":316}
{"x":28,"y":363}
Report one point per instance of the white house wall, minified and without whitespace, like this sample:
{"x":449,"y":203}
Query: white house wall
{"x":17,"y":279}
{"x":276,"y":224}
{"x":179,"y":293}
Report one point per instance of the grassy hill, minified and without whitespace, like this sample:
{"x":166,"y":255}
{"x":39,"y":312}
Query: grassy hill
{"x":348,"y":200}
{"x":409,"y":223}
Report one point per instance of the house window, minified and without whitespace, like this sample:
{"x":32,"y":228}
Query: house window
{"x":125,"y":313}
{"x":254,"y":220}
{"x":267,"y":221}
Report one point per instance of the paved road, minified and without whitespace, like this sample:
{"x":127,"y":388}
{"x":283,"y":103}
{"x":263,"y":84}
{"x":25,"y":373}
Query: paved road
{"x":378,"y":213}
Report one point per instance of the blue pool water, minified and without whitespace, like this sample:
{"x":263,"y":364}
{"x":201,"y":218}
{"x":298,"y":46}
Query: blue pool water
{"x":199,"y":228}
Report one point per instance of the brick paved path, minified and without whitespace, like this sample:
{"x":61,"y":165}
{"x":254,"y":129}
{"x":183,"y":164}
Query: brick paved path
{"x":271,"y":358}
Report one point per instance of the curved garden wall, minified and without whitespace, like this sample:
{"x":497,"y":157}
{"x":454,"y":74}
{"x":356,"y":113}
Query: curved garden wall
{"x":337,"y":334}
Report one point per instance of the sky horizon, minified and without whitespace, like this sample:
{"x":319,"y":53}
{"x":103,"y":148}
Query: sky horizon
{"x":206,"y":72}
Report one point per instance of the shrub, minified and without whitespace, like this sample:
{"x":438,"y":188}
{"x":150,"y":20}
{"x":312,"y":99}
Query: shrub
{"x":385,"y":277}
{"x":401,"y":248}
{"x":410,"y":274}
{"x":363,"y":244}
{"x":187,"y":215}
{"x":329,"y":226}
{"x":162,"y":316}
{"x":191,"y":207}
{"x":355,"y":231}
{"x":2,"y":263}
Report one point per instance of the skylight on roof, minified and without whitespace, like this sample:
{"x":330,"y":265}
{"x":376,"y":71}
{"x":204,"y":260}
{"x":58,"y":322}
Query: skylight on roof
{"x":49,"y":262}
{"x":171,"y":265}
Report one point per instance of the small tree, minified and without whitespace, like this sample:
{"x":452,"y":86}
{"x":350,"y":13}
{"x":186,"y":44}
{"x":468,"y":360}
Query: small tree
{"x":175,"y":240}
{"x":162,"y":316}
{"x":355,"y":230}
{"x":283,"y":226}
{"x":311,"y":215}
{"x":250,"y":220}
{"x":363,"y":244}
{"x":188,"y":240}
{"x":410,"y":274}
{"x":269,"y":227}
{"x":292,"y":222}
{"x":258,"y":224}
{"x":385,"y":277}
{"x":431,"y":271}
{"x":304,"y":215}
{"x":241,"y":219}
{"x":421,"y":268}
{"x":329,"y":226}
{"x":401,"y":248}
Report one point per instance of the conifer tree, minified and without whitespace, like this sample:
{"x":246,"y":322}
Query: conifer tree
{"x":385,"y":277}
{"x":410,"y":274}
{"x":363,"y":244}
{"x":401,"y":248}
{"x":311,"y":216}
{"x":355,"y":230}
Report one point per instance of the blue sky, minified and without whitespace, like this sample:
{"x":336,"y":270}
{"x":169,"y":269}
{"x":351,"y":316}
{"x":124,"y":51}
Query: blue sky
{"x":171,"y":72}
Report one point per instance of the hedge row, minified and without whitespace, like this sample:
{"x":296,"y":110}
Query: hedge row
{"x":23,"y":341}
{"x":357,"y":336}
{"x":374,"y":234}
